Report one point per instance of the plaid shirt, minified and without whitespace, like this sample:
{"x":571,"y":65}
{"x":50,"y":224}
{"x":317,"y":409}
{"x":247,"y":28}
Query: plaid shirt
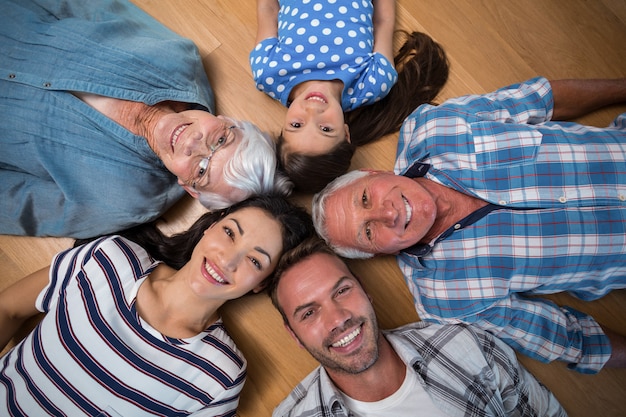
{"x":557,"y":220}
{"x":466,"y":372}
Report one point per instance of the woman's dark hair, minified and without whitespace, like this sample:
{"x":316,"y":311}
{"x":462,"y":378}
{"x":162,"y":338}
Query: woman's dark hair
{"x":176,"y":250}
{"x":423,"y":71}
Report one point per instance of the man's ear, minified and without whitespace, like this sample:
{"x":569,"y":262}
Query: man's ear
{"x":372,"y":171}
{"x":293,"y":335}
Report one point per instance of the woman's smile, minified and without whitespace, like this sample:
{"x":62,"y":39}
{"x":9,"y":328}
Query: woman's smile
{"x":176,"y":134}
{"x":212,"y":273}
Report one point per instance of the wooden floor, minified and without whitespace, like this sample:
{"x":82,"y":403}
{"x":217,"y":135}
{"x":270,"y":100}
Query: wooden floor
{"x":490,"y":44}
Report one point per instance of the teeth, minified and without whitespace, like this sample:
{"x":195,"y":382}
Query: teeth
{"x":214,"y":274}
{"x":347,"y":339}
{"x":316,"y":98}
{"x":177,"y":133}
{"x":408,"y":210}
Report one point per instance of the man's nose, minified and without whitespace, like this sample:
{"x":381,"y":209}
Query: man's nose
{"x":387,"y":214}
{"x":336,"y":316}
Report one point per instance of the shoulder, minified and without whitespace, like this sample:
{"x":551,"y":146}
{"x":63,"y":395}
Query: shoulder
{"x":109,"y":253}
{"x":432,"y":339}
{"x":118,"y":246}
{"x":221,"y":350}
{"x":304,"y":399}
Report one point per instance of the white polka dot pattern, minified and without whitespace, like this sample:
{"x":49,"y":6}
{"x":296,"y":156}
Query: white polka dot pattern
{"x":323,"y":40}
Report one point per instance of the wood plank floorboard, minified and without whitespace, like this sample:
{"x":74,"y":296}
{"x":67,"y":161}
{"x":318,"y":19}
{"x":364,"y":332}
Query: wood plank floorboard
{"x":490,"y":44}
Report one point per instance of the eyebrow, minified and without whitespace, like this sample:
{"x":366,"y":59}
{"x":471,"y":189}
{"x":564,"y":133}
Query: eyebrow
{"x":312,"y":303}
{"x":356,"y":201}
{"x":238,"y":226}
{"x":262,"y":251}
{"x":325,"y":134}
{"x":257,"y":248}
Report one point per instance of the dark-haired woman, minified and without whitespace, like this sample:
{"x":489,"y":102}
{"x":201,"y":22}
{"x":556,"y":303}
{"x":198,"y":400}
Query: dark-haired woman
{"x":131,"y":324}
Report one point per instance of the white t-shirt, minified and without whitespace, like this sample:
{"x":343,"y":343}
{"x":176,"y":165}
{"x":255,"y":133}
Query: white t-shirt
{"x":410,"y":400}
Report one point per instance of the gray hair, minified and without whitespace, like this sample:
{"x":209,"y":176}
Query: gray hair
{"x":318,"y":212}
{"x":252,"y":169}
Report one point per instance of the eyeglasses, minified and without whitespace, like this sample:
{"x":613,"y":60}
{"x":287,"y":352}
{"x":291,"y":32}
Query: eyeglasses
{"x":205,"y":163}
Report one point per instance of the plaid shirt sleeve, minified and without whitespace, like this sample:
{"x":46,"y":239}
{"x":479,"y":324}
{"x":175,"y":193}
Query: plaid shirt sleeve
{"x":530,"y":102}
{"x":546,"y":332}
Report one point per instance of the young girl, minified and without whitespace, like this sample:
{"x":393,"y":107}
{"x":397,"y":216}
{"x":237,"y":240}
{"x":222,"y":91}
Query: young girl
{"x":322,"y":58}
{"x":132,"y":328}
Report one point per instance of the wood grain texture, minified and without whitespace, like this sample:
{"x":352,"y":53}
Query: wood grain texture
{"x":490,"y":44}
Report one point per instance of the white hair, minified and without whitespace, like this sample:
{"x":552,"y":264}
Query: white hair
{"x":252,"y":169}
{"x":318,"y":212}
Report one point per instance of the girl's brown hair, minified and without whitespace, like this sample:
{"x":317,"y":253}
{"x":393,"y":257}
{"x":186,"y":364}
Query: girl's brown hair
{"x":423,"y":70}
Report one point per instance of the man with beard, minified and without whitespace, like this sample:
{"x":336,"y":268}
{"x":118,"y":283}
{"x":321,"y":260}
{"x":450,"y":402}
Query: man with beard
{"x":417,"y":369}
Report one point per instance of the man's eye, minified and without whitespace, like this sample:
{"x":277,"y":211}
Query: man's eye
{"x":368,"y":232}
{"x":307,"y":314}
{"x":295,"y":125}
{"x":364,"y":198}
{"x":221,"y":141}
{"x":326,"y":129}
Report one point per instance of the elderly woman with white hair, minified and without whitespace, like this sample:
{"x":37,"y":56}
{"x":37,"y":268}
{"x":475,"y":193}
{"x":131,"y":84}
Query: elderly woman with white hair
{"x":108,"y":119}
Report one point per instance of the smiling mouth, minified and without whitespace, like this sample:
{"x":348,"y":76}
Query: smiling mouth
{"x":180,"y":129}
{"x":349,"y":338}
{"x":408,"y":210}
{"x":214,"y":274}
{"x":316,"y":97}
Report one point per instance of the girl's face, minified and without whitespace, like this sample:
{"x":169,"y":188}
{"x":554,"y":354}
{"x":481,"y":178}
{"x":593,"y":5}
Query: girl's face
{"x":314,"y":123}
{"x":195,"y":145}
{"x":236,"y":254}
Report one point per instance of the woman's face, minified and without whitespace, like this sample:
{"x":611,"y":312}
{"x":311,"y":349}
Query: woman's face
{"x":195,"y":146}
{"x":236,"y":254}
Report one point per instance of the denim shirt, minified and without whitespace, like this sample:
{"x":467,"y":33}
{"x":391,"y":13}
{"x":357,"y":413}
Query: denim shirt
{"x":65,"y":168}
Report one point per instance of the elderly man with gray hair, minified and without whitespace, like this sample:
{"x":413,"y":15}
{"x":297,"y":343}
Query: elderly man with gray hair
{"x":493,"y":202}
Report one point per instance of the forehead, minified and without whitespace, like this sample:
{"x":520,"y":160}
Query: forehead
{"x":253,"y":220}
{"x":309,"y":279}
{"x":310,"y":141}
{"x":343,"y":217}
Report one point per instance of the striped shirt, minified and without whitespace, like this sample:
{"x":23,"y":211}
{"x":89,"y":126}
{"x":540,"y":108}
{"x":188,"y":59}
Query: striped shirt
{"x":93,"y":354}
{"x":559,"y":223}
{"x":466,"y":372}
